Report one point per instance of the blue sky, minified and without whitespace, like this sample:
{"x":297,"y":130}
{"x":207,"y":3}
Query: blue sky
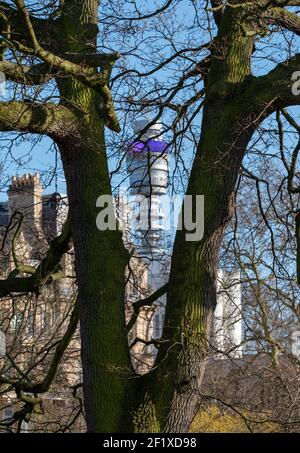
{"x":43,"y":157}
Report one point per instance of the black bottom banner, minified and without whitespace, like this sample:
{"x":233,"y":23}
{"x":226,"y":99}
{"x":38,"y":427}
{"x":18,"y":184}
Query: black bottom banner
{"x":148,"y":442}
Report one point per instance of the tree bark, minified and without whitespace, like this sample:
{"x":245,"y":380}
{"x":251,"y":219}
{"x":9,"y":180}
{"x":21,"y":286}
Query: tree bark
{"x":100,"y":256}
{"x":172,"y":389}
{"x":100,"y":261}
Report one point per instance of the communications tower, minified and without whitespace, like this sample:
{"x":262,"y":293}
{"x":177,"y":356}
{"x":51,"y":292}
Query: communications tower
{"x":147,"y":163}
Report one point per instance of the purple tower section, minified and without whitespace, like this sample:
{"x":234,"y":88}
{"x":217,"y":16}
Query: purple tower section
{"x":151,"y":146}
{"x":147,"y":166}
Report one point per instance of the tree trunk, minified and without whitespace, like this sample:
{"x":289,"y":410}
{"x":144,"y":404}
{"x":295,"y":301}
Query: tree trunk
{"x":100,"y":260}
{"x":100,"y":256}
{"x":170,"y":393}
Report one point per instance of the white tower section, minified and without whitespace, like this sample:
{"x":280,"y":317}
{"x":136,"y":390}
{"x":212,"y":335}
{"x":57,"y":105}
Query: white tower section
{"x":148,"y":168}
{"x":147,"y":165}
{"x":147,"y":161}
{"x":228,"y":332}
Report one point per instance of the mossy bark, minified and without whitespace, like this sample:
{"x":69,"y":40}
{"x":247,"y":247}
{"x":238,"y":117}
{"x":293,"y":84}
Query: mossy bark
{"x":100,"y":256}
{"x":174,"y":386}
{"x":100,"y":260}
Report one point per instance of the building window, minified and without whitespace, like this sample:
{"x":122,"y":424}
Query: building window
{"x":157,"y":326}
{"x":16,"y":321}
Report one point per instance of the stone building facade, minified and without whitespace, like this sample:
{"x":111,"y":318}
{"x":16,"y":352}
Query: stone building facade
{"x":33,"y":323}
{"x":29,"y":220}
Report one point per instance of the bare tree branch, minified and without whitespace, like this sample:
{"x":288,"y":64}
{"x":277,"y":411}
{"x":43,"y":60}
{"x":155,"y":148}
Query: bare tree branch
{"x":27,"y":75}
{"x":44,"y":28}
{"x":49,"y":119}
{"x":44,"y":272}
{"x":147,"y":302}
{"x":273,"y":91}
{"x":21,"y":387}
{"x":284,"y":18}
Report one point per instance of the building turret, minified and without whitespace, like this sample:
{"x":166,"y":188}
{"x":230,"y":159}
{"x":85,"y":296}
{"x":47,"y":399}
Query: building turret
{"x":25,"y":195}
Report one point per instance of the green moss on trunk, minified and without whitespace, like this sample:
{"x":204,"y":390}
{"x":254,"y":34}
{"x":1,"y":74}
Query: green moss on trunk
{"x":100,"y":256}
{"x":174,"y":384}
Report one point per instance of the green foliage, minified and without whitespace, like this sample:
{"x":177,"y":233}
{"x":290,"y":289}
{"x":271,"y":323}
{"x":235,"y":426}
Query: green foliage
{"x":214,"y":419}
